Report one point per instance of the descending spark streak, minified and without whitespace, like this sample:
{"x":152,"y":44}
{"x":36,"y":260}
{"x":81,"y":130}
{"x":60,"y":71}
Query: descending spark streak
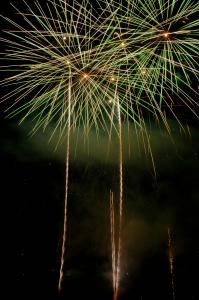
{"x":112,"y":223}
{"x":61,"y":273}
{"x":171,"y":261}
{"x":120,"y":200}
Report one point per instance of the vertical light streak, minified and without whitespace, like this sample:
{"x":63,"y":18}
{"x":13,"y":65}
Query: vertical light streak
{"x":120,"y":199}
{"x":112,"y":223}
{"x":171,"y":261}
{"x":61,"y":273}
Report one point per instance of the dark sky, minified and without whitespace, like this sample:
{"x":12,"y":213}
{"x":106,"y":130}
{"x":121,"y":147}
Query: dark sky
{"x":33,"y":191}
{"x":32,"y":194}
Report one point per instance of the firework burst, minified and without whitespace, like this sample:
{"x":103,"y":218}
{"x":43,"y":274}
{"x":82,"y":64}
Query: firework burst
{"x":160,"y":43}
{"x":59,"y":45}
{"x":72,"y":65}
{"x":62,"y":76}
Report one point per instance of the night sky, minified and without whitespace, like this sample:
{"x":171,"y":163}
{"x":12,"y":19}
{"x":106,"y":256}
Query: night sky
{"x":32,"y":198}
{"x":33,"y":192}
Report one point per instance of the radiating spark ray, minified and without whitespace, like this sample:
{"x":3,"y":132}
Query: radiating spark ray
{"x":64,"y":238}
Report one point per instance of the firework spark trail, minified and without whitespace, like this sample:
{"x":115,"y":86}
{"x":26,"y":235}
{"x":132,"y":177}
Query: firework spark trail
{"x":120,"y":201}
{"x":112,"y":223}
{"x":171,"y":262}
{"x":61,"y":273}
